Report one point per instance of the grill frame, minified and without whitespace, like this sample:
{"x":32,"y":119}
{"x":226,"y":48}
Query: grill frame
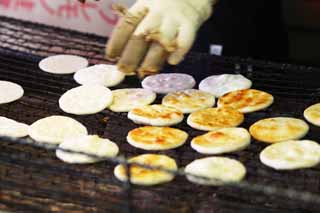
{"x":93,"y":188}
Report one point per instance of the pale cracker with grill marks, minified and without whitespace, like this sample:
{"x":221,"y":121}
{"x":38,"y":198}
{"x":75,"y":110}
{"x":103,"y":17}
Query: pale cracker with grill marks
{"x":278,"y":129}
{"x":86,"y":99}
{"x":188,"y":101}
{"x":12,"y":128}
{"x":55,"y":129}
{"x":312,"y":114}
{"x":224,"y":140}
{"x":219,"y":170}
{"x":63,"y":64}
{"x":218,"y":85}
{"x":10,"y":92}
{"x":125,"y":100}
{"x":100,"y":74}
{"x":290,"y":155}
{"x":92,"y":145}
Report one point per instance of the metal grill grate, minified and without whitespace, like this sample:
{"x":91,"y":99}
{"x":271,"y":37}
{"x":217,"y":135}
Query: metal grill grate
{"x":33,"y":179}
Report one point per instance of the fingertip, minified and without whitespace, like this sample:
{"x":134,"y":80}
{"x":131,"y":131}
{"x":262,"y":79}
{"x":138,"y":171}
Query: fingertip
{"x":126,"y":69}
{"x":175,"y":58}
{"x":109,"y":55}
{"x":133,"y":54}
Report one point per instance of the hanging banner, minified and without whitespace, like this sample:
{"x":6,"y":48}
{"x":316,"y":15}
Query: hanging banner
{"x":92,"y":17}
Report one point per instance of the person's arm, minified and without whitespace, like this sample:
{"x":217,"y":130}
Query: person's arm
{"x":152,"y":32}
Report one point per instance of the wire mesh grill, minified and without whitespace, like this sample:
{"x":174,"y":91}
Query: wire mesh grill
{"x":32,"y":179}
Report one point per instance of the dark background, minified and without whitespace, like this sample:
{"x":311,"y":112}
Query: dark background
{"x":284,"y":31}
{"x":302,"y":19}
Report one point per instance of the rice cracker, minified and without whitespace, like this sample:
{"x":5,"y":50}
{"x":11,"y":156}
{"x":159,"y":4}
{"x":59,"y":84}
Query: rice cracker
{"x":215,"y":171}
{"x":215,"y":118}
{"x":222,"y":141}
{"x":156,"y":138}
{"x":273,"y":130}
{"x":125,"y":100}
{"x":145,"y":176}
{"x":92,"y":145}
{"x":188,"y":101}
{"x":290,"y":155}
{"x":156,"y":115}
{"x":246,"y":101}
{"x":312,"y":114}
{"x":55,"y":129}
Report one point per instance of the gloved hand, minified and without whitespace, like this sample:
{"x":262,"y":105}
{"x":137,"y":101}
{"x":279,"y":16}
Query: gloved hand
{"x":153,"y":31}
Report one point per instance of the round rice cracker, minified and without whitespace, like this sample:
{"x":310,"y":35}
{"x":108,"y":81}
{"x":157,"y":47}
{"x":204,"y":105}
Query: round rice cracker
{"x":86,"y":100}
{"x":101,"y":74}
{"x":291,"y":155}
{"x":156,"y":138}
{"x":212,"y":119}
{"x":274,"y":130}
{"x":188,"y":101}
{"x":246,"y":101}
{"x":218,"y":85}
{"x":55,"y":129}
{"x":312,"y":114}
{"x":90,"y":144}
{"x":10,"y":92}
{"x":144,"y":176}
{"x":156,"y":115}
{"x":12,"y":128}
{"x":168,"y":82}
{"x":125,"y":100}
{"x":215,"y":171}
{"x":63,"y":64}
{"x":222,"y":141}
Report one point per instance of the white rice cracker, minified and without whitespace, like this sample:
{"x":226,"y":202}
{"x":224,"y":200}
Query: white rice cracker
{"x":101,"y":74}
{"x":312,"y":114}
{"x":188,"y":101}
{"x":89,"y":144}
{"x":212,"y":119}
{"x":156,"y":138}
{"x":222,"y":141}
{"x":55,"y":129}
{"x":86,"y":99}
{"x":246,"y":101}
{"x":125,"y":100}
{"x":273,"y":130}
{"x":291,"y":155}
{"x":218,"y":85}
{"x":12,"y":128}
{"x":221,"y":170}
{"x":145,"y":176}
{"x":10,"y":92}
{"x":168,"y":82}
{"x":156,"y":115}
{"x":63,"y":64}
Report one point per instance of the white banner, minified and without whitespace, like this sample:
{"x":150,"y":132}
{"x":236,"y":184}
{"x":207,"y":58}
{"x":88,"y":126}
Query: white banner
{"x":92,"y":17}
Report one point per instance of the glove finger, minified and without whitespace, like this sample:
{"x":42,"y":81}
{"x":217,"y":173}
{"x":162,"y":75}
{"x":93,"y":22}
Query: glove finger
{"x":154,"y":60}
{"x":133,"y":54}
{"x":123,"y":31}
{"x":167,"y":34}
{"x":185,"y":40}
{"x":149,"y":24}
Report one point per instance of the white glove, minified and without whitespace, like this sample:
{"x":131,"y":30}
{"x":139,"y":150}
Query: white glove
{"x":153,"y":31}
